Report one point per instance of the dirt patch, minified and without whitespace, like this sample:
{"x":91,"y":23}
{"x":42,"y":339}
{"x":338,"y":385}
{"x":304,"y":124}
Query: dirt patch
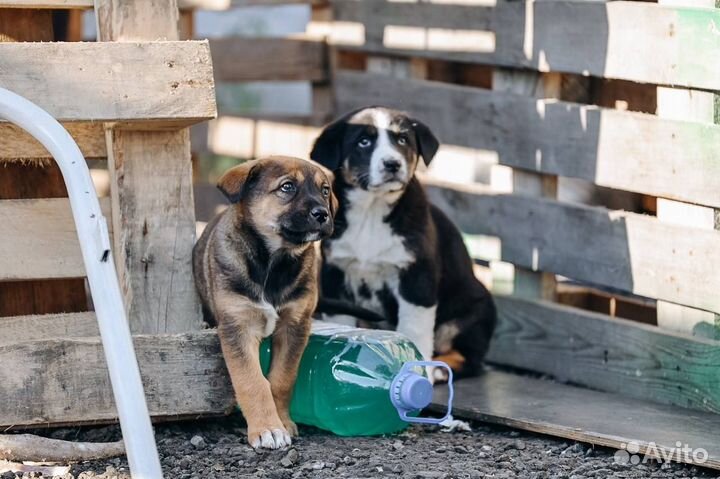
{"x":217,"y":449}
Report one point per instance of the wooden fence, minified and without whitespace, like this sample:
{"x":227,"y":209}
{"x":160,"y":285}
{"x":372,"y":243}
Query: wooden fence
{"x":618,"y":96}
{"x":578,"y":90}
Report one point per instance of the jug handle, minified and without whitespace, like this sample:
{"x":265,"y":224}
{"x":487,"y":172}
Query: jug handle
{"x":451,"y":393}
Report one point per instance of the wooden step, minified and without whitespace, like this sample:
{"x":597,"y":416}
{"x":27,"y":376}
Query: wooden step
{"x":597,"y":418}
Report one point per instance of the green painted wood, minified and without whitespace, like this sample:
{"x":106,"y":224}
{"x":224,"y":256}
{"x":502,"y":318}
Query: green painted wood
{"x":614,"y":355}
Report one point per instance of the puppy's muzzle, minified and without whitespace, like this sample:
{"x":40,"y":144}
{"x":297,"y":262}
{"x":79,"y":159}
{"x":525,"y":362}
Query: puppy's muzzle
{"x":320,"y":215}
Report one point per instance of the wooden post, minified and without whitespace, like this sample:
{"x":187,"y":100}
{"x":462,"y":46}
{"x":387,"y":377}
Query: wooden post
{"x":531,"y":283}
{"x":38,"y":179}
{"x":151,"y":191}
{"x":698,"y":106}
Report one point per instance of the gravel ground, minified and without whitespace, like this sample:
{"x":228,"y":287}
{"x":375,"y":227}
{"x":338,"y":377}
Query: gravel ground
{"x":217,"y":449}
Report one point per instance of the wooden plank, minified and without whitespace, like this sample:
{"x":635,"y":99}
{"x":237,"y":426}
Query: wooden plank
{"x":34,"y":179}
{"x":57,"y":4}
{"x":604,"y":39}
{"x":151,"y":191}
{"x":228,"y":4}
{"x":153,"y":211}
{"x":40,"y":297}
{"x":527,"y":282}
{"x":255,"y":137}
{"x":184,"y":4}
{"x":616,"y":149}
{"x":625,"y":251}
{"x":66,"y":380}
{"x":242,"y":59}
{"x":578,"y":414}
{"x":17,"y":329}
{"x":699,"y":106}
{"x":39,"y":239}
{"x":16,"y":144}
{"x":610,"y":354}
{"x":24,"y":25}
{"x":176,"y":85}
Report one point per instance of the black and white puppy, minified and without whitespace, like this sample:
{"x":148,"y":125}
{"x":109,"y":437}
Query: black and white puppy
{"x":394,"y":253}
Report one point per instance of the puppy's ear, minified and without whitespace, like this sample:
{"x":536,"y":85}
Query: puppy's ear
{"x":334,"y":204}
{"x":327,"y":149}
{"x":237,"y":181}
{"x":427,"y":143}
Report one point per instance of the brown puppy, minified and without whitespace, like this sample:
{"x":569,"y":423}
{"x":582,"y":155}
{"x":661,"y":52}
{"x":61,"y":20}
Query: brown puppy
{"x":256,"y":271}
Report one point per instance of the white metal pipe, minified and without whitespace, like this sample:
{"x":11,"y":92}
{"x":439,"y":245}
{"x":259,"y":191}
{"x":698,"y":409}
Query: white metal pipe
{"x":95,"y":245}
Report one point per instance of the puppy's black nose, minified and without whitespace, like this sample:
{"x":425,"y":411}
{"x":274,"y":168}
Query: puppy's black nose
{"x":320,"y":214}
{"x":393,"y":166}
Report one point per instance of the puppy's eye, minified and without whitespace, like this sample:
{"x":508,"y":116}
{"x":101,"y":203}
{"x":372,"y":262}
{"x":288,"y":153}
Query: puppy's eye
{"x":402,"y":140}
{"x":364,"y":142}
{"x":287,"y":187}
{"x":325,"y":191}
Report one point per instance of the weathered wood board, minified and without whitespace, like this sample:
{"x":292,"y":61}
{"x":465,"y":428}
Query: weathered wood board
{"x":602,"y":39}
{"x":39,"y":239}
{"x":16,"y":144}
{"x":151,"y":190}
{"x":609,"y":354}
{"x":66,"y":380}
{"x":18,"y":329}
{"x":626,"y":251}
{"x":154,"y":217}
{"x":242,"y":59}
{"x":583,"y":415}
{"x":621,"y":150}
{"x":184,"y":4}
{"x":176,"y":85}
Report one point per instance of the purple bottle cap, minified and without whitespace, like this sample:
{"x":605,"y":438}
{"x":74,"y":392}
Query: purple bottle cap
{"x":411,"y":391}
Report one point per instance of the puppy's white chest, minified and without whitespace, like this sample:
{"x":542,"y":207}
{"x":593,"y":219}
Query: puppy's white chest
{"x":368,"y":250}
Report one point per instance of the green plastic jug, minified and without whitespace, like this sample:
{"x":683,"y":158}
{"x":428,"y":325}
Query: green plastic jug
{"x":359,"y":382}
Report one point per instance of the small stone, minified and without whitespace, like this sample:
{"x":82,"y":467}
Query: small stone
{"x":429,"y":474}
{"x":198,"y":442}
{"x":397,"y":445}
{"x":461,"y":449}
{"x":514,"y":434}
{"x":519,"y":444}
{"x":441,"y":449}
{"x":290,"y":459}
{"x":330,"y":465}
{"x":486,"y":448}
{"x":348,"y":460}
{"x":396,"y":468}
{"x":318,"y":465}
{"x":185,"y":461}
{"x":218,"y":467}
{"x":110,"y":471}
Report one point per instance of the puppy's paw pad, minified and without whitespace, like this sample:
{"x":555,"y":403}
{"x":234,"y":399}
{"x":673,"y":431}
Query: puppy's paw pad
{"x":271,"y":439}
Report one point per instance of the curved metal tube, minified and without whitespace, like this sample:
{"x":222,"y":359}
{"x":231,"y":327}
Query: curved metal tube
{"x":95,"y":245}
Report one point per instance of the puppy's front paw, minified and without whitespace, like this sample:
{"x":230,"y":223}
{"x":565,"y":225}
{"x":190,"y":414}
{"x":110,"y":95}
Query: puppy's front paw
{"x":289,"y":425}
{"x":275,"y":438}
